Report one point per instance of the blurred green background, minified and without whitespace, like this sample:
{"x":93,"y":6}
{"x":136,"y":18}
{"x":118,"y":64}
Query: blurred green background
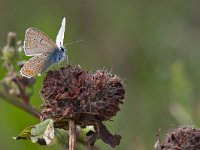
{"x":154,"y":45}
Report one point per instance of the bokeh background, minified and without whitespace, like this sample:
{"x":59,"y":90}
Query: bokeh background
{"x":154,"y":45}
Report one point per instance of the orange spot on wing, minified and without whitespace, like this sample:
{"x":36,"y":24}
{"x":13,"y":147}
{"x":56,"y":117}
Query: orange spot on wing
{"x":28,"y":71}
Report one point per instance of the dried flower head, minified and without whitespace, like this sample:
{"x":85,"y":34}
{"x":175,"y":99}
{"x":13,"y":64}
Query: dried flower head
{"x":88,"y":99}
{"x":182,"y":138}
{"x":9,"y":52}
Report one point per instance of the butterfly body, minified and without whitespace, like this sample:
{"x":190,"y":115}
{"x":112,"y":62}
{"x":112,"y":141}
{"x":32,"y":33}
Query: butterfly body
{"x":45,"y":51}
{"x":59,"y":55}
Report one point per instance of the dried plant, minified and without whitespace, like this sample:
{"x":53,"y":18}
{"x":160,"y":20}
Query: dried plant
{"x":86,"y":98}
{"x":182,"y":138}
{"x":73,"y":99}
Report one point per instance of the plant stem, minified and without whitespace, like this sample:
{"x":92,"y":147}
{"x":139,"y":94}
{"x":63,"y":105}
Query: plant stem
{"x":72,"y":135}
{"x":23,"y":95}
{"x":16,"y":102}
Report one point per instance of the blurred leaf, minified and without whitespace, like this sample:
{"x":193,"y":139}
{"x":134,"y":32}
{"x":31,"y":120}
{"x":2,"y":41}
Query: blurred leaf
{"x":84,"y":131}
{"x":180,"y":113}
{"x":25,"y":134}
{"x":181,"y":94}
{"x":42,"y":133}
{"x":61,"y":136}
{"x":180,"y":85}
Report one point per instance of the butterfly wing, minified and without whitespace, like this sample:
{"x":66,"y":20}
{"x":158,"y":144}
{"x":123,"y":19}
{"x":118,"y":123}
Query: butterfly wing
{"x":37,"y":43}
{"x":60,"y":36}
{"x":36,"y":65}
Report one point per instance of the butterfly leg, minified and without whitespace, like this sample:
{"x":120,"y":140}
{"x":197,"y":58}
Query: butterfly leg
{"x":61,"y":73}
{"x":58,"y":66}
{"x":67,"y":60}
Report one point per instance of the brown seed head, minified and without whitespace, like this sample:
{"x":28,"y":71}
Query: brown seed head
{"x":73,"y":93}
{"x":182,"y":138}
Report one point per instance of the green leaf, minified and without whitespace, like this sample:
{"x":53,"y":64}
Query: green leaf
{"x":61,"y":137}
{"x":43,"y":133}
{"x":25,"y":134}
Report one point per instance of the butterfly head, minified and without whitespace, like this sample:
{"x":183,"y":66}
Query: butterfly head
{"x":62,"y":49}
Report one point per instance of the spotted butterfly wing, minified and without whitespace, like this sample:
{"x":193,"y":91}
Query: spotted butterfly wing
{"x":37,"y":43}
{"x":36,"y":65}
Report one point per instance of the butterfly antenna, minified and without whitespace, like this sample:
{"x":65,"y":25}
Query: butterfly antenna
{"x":73,"y":42}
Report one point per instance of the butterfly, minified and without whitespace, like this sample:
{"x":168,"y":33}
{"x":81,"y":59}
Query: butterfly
{"x":44,"y":50}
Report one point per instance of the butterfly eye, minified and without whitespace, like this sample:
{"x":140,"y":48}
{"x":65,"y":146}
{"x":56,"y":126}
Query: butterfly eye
{"x":62,"y":49}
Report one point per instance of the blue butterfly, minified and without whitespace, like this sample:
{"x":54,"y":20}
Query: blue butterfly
{"x":45,"y":51}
